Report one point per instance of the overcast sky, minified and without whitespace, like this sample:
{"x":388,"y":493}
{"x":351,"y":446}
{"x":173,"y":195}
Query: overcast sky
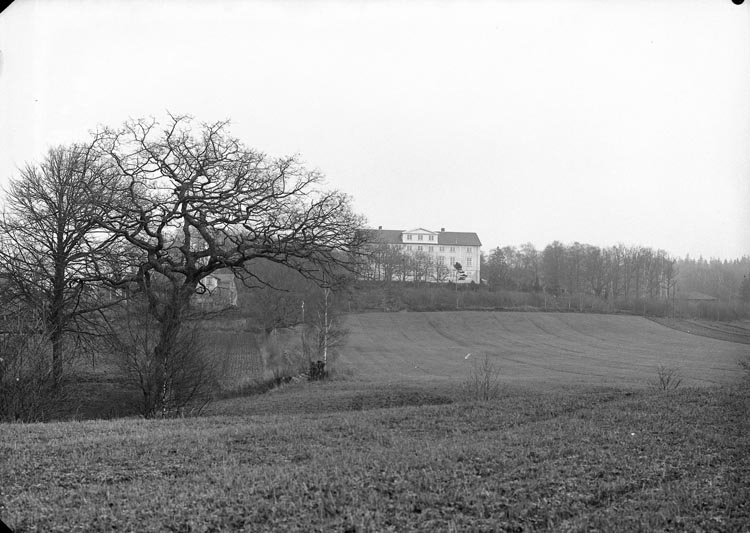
{"x":600,"y":122}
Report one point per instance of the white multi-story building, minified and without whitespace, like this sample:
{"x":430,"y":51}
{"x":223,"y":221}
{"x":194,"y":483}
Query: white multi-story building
{"x":433,"y":254}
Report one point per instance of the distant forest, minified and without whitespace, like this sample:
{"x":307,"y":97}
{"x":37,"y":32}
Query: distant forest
{"x":619,"y":273}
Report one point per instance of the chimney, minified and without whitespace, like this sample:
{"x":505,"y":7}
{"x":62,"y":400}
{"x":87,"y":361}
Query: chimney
{"x":442,"y":230}
{"x":380,"y":227}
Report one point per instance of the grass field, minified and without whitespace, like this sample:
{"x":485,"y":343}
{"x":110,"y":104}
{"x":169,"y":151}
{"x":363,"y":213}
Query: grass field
{"x":588,"y":460}
{"x":534,"y":348}
{"x":575,"y":440}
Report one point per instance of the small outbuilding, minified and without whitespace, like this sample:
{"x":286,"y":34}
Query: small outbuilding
{"x":217,"y":290}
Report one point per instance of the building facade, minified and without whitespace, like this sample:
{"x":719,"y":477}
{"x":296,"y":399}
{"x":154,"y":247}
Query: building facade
{"x":217,"y":290}
{"x":424,"y":255}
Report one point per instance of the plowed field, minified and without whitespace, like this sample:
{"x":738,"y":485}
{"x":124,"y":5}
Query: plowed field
{"x":544,"y":348}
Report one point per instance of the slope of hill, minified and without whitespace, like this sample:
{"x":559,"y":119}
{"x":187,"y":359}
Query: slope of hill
{"x":737,"y":331}
{"x":541,"y":348}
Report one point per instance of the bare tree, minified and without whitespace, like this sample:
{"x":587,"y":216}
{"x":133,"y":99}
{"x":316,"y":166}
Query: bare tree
{"x":194,"y":201}
{"x":386,"y":260}
{"x":441,"y":272}
{"x":529,"y":260}
{"x":553,"y":264}
{"x":422,"y":265}
{"x":323,"y":335}
{"x":52,"y":249}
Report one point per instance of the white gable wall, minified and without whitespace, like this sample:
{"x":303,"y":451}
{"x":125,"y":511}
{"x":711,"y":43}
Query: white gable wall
{"x":448,"y":254}
{"x":419,"y":236}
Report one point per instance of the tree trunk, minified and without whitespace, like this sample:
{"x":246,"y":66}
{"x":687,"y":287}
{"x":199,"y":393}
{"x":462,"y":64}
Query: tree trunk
{"x":169,"y":329}
{"x":170,"y":321}
{"x":57,"y":355}
{"x":56,"y":322}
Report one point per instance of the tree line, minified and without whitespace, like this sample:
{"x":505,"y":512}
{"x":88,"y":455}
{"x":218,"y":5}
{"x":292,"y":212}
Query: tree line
{"x":105,"y":243}
{"x":617,"y":274}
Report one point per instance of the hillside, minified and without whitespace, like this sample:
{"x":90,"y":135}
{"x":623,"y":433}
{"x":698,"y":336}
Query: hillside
{"x":736,"y":331}
{"x":430,"y":349}
{"x":569,"y":443}
{"x":539,"y":348}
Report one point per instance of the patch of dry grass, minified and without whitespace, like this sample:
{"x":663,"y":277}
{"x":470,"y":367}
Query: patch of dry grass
{"x":571,"y":460}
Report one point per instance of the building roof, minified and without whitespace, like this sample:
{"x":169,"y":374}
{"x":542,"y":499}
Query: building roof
{"x":387,"y":236}
{"x":448,"y":238}
{"x":460,"y":238}
{"x":420,"y":230}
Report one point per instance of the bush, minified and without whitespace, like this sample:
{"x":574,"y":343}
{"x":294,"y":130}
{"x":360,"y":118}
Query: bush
{"x":27,"y":390}
{"x":282,"y":355}
{"x":667,"y":379}
{"x":317,"y":371}
{"x":26,"y":387}
{"x":483,"y":380}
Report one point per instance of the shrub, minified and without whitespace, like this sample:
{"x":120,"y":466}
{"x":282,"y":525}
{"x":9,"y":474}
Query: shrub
{"x":667,"y":378}
{"x":282,"y":355}
{"x":27,"y":391}
{"x":483,"y":380}
{"x":317,"y":371}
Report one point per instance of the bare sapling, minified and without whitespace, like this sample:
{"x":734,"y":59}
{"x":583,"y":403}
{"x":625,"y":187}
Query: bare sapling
{"x":667,"y":378}
{"x":483,"y":380}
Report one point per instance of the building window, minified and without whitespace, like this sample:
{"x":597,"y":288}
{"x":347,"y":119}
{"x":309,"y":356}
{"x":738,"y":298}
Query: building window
{"x":408,"y":237}
{"x":408,"y":246}
{"x":468,"y":261}
{"x":453,"y":249}
{"x":432,"y":237}
{"x":419,"y":248}
{"x":419,"y":237}
{"x":431,"y":249}
{"x":441,"y":259}
{"x":442,"y":248}
{"x":468,"y":250}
